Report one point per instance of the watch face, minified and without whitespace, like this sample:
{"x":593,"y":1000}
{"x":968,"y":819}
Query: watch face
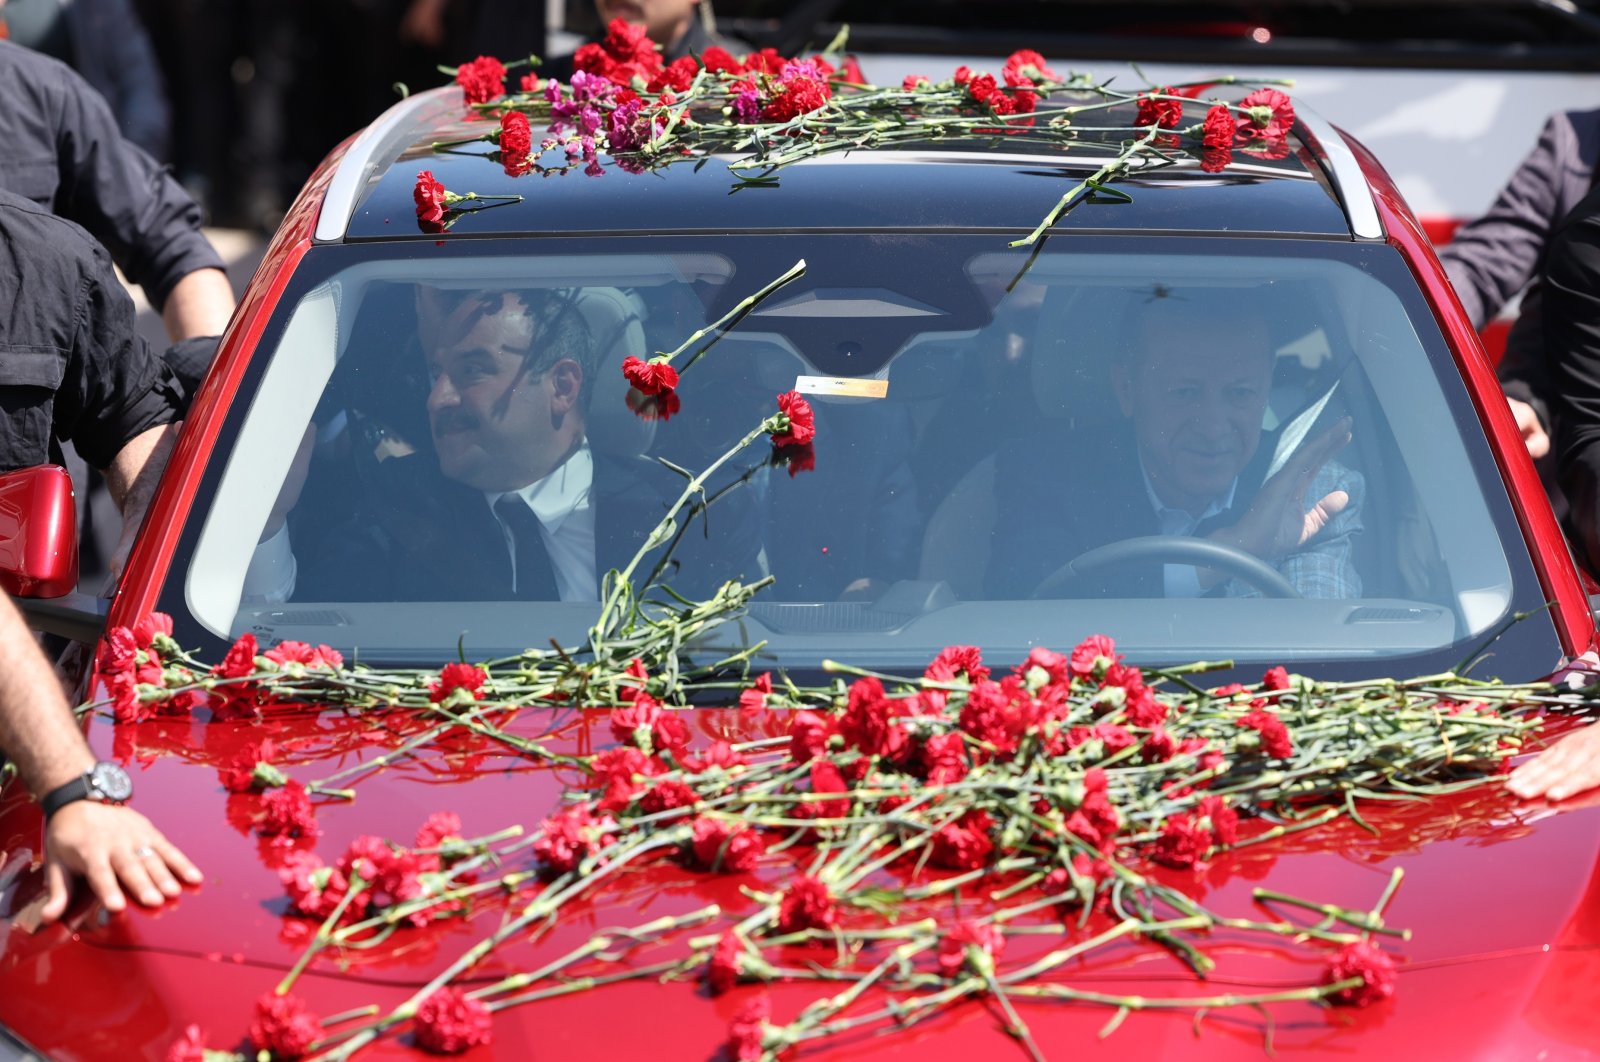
{"x":111,"y":782}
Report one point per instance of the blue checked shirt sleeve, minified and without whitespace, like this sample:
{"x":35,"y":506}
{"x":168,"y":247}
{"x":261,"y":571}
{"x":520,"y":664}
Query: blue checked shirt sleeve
{"x":1325,"y":566}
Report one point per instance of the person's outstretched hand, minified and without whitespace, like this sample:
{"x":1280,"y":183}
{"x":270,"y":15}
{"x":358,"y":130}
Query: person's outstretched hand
{"x":1278,"y":522}
{"x":1534,"y":437}
{"x":115,"y":849}
{"x":1564,"y":769}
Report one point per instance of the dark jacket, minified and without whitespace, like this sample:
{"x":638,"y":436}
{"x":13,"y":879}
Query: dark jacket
{"x":1495,"y":256}
{"x":1094,"y":494}
{"x":1571,"y":322}
{"x":65,"y":151}
{"x":422,"y":537}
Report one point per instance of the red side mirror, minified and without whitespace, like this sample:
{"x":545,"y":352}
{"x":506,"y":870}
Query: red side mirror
{"x":38,"y":533}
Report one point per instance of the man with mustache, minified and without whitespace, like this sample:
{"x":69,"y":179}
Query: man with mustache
{"x":1192,"y":391}
{"x":515,"y":504}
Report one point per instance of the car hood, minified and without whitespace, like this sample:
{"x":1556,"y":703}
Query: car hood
{"x":1503,"y":906}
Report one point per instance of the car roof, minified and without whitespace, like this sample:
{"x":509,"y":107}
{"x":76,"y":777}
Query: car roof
{"x":966,"y":183}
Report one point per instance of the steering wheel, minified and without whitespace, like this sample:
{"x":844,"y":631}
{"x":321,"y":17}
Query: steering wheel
{"x":1168,"y":549}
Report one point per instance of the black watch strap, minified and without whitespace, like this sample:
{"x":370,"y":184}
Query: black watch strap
{"x":64,"y":794}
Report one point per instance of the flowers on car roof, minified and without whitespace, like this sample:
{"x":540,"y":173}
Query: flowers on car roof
{"x":624,"y":101}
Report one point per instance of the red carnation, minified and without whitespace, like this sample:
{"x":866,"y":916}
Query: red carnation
{"x":1093,"y":656}
{"x":316,"y":889}
{"x":1181,"y":843}
{"x":240,"y":660}
{"x":808,"y":734}
{"x":1165,"y":113}
{"x":482,"y":79}
{"x":1365,"y":960}
{"x":962,"y":845}
{"x":766,"y":61}
{"x":1275,"y":741}
{"x":240,"y":775}
{"x":191,"y":1047}
{"x":827,"y":778}
{"x":1159,"y":746}
{"x":119,"y":652}
{"x":454,"y":677}
{"x":808,"y":903}
{"x":649,"y":377}
{"x":617,"y":771}
{"x":719,"y":845}
{"x":1221,"y":127}
{"x":669,"y":794}
{"x":516,"y":142}
{"x":870,"y":722}
{"x":801,"y":426}
{"x":283,"y":1026}
{"x":1270,"y":114}
{"x":1224,"y":820}
{"x":722,"y":971}
{"x":430,"y":198}
{"x":719,"y":61}
{"x":571,"y":835}
{"x":1028,"y":67}
{"x":944,"y":758}
{"x":1277,"y":679}
{"x":970,"y":944}
{"x":983,"y":89}
{"x":439,"y":828}
{"x":956,"y":660}
{"x":747,"y":1032}
{"x":755,"y":698}
{"x":1215,"y":160}
{"x":675,"y":76}
{"x":153,"y":624}
{"x":302,"y":653}
{"x":720,"y":756}
{"x":448,"y":1022}
{"x":287,"y":812}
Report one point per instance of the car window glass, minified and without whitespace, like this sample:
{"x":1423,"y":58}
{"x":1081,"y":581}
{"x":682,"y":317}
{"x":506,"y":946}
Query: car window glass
{"x":974,"y":440}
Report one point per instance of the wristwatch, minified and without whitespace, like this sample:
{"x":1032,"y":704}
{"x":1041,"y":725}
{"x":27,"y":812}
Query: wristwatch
{"x":105,"y":782}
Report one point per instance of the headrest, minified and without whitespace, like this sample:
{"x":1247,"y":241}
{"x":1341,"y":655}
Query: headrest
{"x":616,"y":323}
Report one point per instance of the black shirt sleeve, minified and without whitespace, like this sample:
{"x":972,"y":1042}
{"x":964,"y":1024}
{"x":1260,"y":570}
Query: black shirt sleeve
{"x":126,"y":200}
{"x":115,"y":388}
{"x":72,"y":366}
{"x":1571,"y":318}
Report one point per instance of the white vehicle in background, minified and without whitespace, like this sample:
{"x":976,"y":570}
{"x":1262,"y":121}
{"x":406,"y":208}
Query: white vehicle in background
{"x":1449,"y":94}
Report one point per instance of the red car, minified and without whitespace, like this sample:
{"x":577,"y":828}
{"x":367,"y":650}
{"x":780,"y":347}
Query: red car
{"x":1004,"y":438}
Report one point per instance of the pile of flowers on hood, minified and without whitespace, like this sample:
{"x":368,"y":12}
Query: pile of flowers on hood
{"x":626,"y":102}
{"x":1047,"y":794}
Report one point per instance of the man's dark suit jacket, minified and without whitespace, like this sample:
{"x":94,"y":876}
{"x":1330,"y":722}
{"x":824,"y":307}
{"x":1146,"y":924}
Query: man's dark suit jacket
{"x":1060,"y":494}
{"x":422,"y":537}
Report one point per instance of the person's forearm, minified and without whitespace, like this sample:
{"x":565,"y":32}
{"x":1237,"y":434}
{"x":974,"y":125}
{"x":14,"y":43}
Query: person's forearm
{"x":198,"y":305}
{"x":37,"y":730}
{"x":133,"y":474}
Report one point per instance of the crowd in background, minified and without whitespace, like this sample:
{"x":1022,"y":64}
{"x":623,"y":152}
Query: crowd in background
{"x":258,"y":91}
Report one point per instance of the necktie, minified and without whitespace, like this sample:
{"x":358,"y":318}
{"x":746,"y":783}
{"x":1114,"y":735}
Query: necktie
{"x":536,"y":580}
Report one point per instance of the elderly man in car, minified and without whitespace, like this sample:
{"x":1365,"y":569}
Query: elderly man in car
{"x":513,"y":503}
{"x":1188,"y":458}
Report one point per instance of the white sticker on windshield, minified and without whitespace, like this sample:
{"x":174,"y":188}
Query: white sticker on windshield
{"x":845,"y":386}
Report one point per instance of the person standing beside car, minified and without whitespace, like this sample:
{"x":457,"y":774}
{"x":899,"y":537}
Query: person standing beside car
{"x":88,"y":832}
{"x":1492,"y":258}
{"x":72,"y":366}
{"x":65,"y":151}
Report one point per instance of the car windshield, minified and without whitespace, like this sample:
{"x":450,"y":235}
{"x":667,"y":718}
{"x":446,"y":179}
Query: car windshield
{"x":1204,"y":447}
